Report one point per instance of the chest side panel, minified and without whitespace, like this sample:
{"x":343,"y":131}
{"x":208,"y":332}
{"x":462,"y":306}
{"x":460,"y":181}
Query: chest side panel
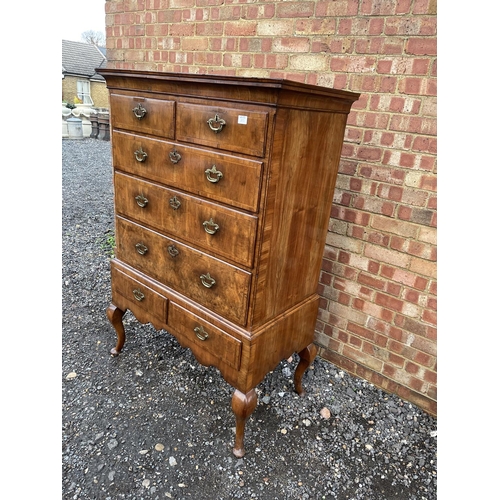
{"x":303,"y":171}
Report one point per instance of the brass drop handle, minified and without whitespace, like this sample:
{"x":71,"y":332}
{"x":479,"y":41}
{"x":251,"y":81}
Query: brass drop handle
{"x":172,"y":250}
{"x":140,"y":155}
{"x":174,"y":156}
{"x":213,"y":175}
{"x":174,"y":203}
{"x":207,"y":280}
{"x":201,"y":333}
{"x":142,"y":201}
{"x":141,"y":248}
{"x":216,"y":124}
{"x":210,"y":226}
{"x":139,"y":111}
{"x":138,"y":295}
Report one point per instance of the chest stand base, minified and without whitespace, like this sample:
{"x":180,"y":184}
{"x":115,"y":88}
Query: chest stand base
{"x":243,"y":405}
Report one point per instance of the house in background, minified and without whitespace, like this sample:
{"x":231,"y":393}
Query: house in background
{"x":79,"y":79}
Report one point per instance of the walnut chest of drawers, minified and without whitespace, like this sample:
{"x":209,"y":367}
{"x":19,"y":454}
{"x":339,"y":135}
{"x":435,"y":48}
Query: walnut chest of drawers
{"x":223,"y":189}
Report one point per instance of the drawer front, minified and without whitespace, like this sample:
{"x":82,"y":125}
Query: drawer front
{"x":220,"y":287}
{"x":232,"y":129}
{"x":220,"y":230}
{"x":139,"y":296}
{"x":206,"y":337}
{"x":224,"y":178}
{"x":143,"y":114}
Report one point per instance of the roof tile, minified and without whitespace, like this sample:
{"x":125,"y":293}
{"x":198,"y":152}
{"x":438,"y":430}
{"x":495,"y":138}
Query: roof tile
{"x":81,"y":59}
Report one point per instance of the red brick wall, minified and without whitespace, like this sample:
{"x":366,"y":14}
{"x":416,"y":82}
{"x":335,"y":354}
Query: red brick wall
{"x":378,"y":284}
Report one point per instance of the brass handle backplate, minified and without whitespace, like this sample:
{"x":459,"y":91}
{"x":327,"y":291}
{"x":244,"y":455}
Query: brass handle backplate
{"x":140,"y":155}
{"x":213,"y":175}
{"x":216,"y":124}
{"x":138,"y":295}
{"x":139,"y":111}
{"x":201,"y":333}
{"x":174,"y":156}
{"x":210,"y":226}
{"x":141,"y":200}
{"x":141,"y":248}
{"x":174,"y":203}
{"x":172,"y":250}
{"x":207,"y":280}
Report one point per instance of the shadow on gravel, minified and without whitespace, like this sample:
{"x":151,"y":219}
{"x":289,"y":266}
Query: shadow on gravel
{"x":153,"y":424}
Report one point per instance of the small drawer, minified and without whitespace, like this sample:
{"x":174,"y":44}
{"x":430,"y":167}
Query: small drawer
{"x":232,"y":129}
{"x":221,"y":177}
{"x":220,"y":287}
{"x":204,"y":336}
{"x":143,"y":114}
{"x":220,"y":230}
{"x":139,"y":296}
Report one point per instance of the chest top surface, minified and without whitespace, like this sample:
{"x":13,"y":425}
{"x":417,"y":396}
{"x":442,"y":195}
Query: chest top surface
{"x":278,"y":92}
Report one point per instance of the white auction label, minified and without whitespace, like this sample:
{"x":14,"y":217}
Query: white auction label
{"x":242,"y":119}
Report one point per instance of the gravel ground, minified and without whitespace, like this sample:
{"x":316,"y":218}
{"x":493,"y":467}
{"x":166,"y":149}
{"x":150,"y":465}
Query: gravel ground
{"x":152,"y":423}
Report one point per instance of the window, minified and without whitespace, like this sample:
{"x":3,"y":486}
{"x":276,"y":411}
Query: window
{"x":83,"y":91}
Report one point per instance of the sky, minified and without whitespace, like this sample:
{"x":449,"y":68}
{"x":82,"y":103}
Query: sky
{"x":82,"y":16}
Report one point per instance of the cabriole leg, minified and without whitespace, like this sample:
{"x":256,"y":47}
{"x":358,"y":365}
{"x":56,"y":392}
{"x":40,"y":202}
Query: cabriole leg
{"x":307,"y":356}
{"x":243,"y":405}
{"x":115,"y":316}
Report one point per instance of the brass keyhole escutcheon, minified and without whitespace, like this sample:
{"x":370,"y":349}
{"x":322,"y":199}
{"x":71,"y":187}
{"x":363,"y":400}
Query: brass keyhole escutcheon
{"x":174,"y":156}
{"x":172,"y":250}
{"x":174,"y":203}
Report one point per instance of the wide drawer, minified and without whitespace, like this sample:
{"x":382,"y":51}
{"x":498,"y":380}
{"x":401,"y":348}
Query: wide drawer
{"x":233,"y":129}
{"x":143,"y":114}
{"x":220,"y":230}
{"x":205,"y":336}
{"x":221,"y":177}
{"x":220,"y":287}
{"x":139,"y":296}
